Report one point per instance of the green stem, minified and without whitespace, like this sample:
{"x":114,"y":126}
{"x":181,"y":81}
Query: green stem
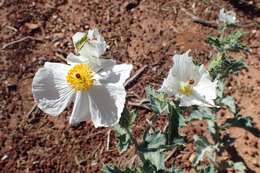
{"x":222,"y":31}
{"x":172,"y":129}
{"x":137,"y":150}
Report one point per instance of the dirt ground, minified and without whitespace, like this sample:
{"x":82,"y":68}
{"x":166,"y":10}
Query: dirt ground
{"x":141,"y":32}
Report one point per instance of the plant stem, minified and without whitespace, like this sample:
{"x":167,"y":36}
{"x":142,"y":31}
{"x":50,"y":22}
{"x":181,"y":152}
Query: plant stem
{"x":137,"y":150}
{"x":172,"y":129}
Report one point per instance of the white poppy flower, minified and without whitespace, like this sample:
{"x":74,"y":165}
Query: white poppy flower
{"x":98,"y":95}
{"x":189,"y":82}
{"x":90,"y":45}
{"x":228,"y":17}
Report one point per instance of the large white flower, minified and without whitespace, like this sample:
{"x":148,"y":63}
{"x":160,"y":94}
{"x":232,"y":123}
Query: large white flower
{"x":189,"y":82}
{"x":90,"y":45}
{"x":97,"y":94}
{"x":228,"y":17}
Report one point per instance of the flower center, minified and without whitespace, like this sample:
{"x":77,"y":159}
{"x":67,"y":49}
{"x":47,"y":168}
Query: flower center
{"x":80,"y":77}
{"x":186,"y":88}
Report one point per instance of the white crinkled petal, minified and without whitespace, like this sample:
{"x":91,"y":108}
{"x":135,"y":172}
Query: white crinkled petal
{"x":221,"y":16}
{"x":104,"y":65}
{"x":183,"y":67}
{"x":91,"y":51}
{"x":196,"y":99}
{"x":204,"y":92}
{"x":106,"y":104}
{"x":91,"y":61}
{"x":96,"y":45}
{"x":77,"y":37}
{"x":206,"y":87}
{"x":111,"y":73}
{"x":50,"y":89}
{"x":80,"y":109}
{"x":228,"y":17}
{"x":170,"y":85}
{"x":74,"y":59}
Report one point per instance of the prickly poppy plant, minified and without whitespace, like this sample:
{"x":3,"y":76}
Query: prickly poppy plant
{"x":190,"y":92}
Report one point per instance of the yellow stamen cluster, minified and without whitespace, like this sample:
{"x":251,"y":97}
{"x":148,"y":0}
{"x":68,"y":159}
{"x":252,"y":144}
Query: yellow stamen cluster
{"x":80,"y":77}
{"x":185,"y":89}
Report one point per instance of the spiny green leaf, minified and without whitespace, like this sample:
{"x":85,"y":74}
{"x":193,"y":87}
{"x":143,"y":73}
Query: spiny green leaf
{"x":240,"y":167}
{"x":151,"y":149}
{"x":228,"y":43}
{"x":230,"y":103}
{"x":170,"y":170}
{"x":208,"y":169}
{"x":220,"y":88}
{"x":176,"y":121}
{"x":237,"y":166}
{"x":123,"y":138}
{"x":203,"y":148}
{"x":156,"y":158}
{"x":216,"y":66}
{"x":211,"y":126}
{"x":155,"y":140}
{"x":127,"y":119}
{"x":215,"y":42}
{"x":233,"y":66}
{"x":158,"y":100}
{"x":202,"y":113}
{"x":148,"y":167}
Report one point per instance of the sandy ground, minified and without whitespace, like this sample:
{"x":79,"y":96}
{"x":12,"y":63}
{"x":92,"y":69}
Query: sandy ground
{"x":138,"y":32}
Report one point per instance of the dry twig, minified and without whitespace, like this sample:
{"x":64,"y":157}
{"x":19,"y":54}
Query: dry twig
{"x":140,"y":104}
{"x":170,"y":155}
{"x":31,"y":110}
{"x":96,"y":133}
{"x":2,"y":3}
{"x":11,"y":28}
{"x":20,"y":40}
{"x":196,"y":19}
{"x":136,"y":75}
{"x":60,"y":56}
{"x":108,"y":139}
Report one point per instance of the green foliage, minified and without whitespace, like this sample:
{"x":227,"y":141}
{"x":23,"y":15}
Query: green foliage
{"x":203,"y":113}
{"x":126,"y":122}
{"x":123,"y":138}
{"x":232,"y":66}
{"x":127,"y":119}
{"x":154,"y":140}
{"x":156,"y":158}
{"x":237,"y":166}
{"x":152,"y":149}
{"x":229,"y":43}
{"x":220,"y":89}
{"x":176,"y":121}
{"x":230,"y":103}
{"x":222,"y":67}
{"x":203,"y":148}
{"x":216,"y":66}
{"x":207,"y":169}
{"x":157,"y":100}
